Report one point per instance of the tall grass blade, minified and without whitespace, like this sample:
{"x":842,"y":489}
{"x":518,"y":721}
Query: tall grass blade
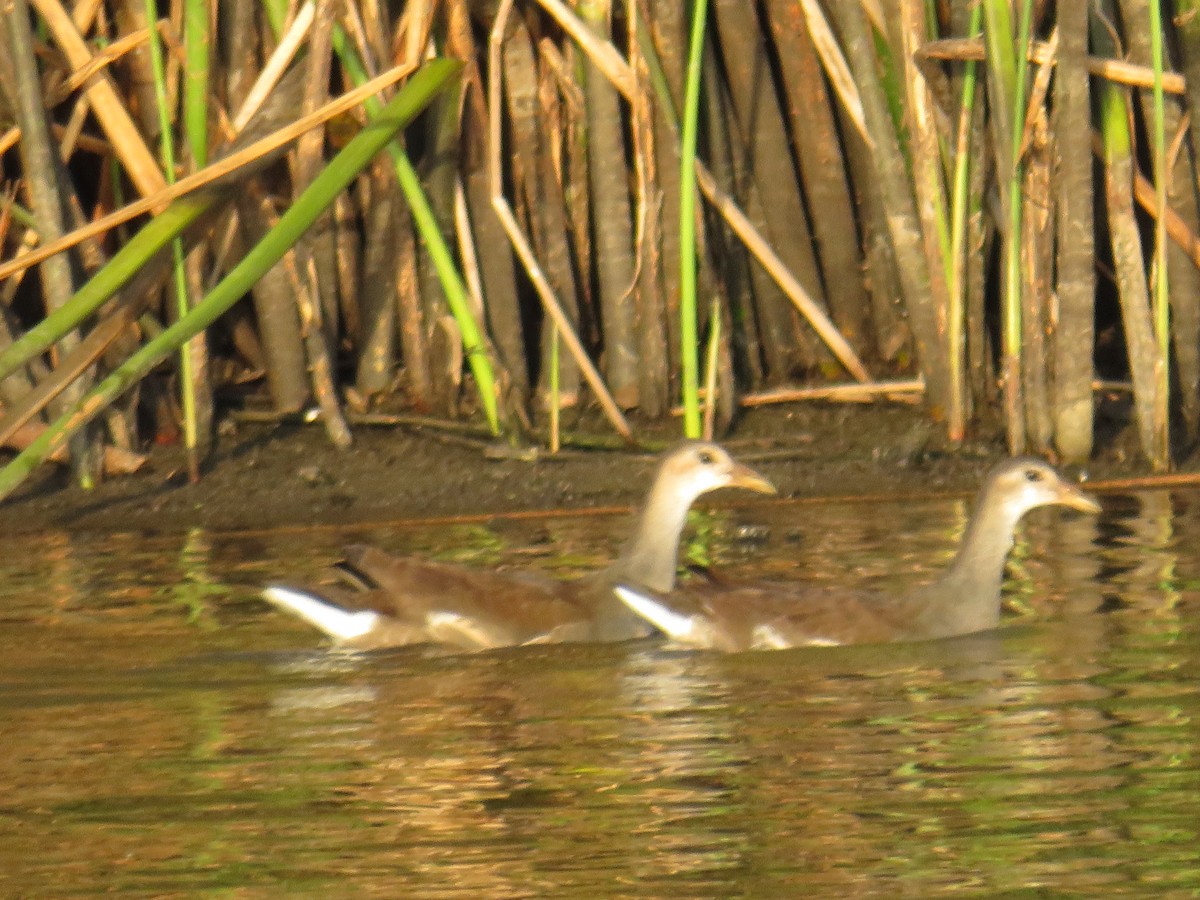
{"x":187,"y":381}
{"x":956,"y":258}
{"x":687,"y":225}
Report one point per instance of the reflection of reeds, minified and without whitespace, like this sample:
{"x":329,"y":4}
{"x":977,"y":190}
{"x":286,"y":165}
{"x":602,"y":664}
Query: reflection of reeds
{"x":538,"y":240}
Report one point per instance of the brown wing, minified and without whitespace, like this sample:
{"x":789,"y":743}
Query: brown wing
{"x":770,"y":616}
{"x":475,"y":608}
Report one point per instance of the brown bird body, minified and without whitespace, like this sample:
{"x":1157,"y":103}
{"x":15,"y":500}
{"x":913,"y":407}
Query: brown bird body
{"x":405,"y":600}
{"x":964,"y":599}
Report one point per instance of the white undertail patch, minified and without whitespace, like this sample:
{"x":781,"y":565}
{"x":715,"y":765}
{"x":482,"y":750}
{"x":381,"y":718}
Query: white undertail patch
{"x":340,"y":624}
{"x":658,"y":614}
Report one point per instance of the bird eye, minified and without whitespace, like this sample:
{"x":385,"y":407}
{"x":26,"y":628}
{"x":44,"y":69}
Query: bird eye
{"x":706,"y":457}
{"x":1033,"y":475}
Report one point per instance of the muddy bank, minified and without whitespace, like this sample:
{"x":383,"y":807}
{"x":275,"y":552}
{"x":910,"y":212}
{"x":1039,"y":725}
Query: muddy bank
{"x":269,"y":476}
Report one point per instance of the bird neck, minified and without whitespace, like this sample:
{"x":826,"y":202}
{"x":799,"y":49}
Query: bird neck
{"x":967,"y":595}
{"x":649,"y":557}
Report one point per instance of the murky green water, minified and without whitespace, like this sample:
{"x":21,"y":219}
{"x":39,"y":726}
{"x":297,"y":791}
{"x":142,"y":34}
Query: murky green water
{"x":165,"y":733}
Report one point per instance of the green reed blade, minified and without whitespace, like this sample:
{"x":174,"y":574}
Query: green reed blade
{"x":687,"y":226}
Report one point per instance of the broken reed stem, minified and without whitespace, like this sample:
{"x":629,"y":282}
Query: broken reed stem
{"x":41,"y":171}
{"x":198,"y":29}
{"x":554,"y":310}
{"x":1129,"y":263}
{"x":1074,"y":403}
{"x":928,"y":175}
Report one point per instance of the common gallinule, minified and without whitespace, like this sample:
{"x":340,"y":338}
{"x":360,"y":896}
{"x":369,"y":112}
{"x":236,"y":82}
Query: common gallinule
{"x":964,"y":599}
{"x":403,"y":600}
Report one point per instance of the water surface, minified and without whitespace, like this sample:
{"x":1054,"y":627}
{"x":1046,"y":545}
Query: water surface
{"x":164,"y":732}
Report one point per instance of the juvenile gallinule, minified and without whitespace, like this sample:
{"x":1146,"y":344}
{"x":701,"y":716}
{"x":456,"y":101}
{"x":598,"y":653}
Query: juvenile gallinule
{"x":405,"y":600}
{"x":964,"y":599}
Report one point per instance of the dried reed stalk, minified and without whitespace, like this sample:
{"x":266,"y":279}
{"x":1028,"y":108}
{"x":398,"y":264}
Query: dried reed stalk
{"x":612,"y":225}
{"x":1076,"y":286}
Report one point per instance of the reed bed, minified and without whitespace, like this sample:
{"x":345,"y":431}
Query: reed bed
{"x":514,"y":212}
